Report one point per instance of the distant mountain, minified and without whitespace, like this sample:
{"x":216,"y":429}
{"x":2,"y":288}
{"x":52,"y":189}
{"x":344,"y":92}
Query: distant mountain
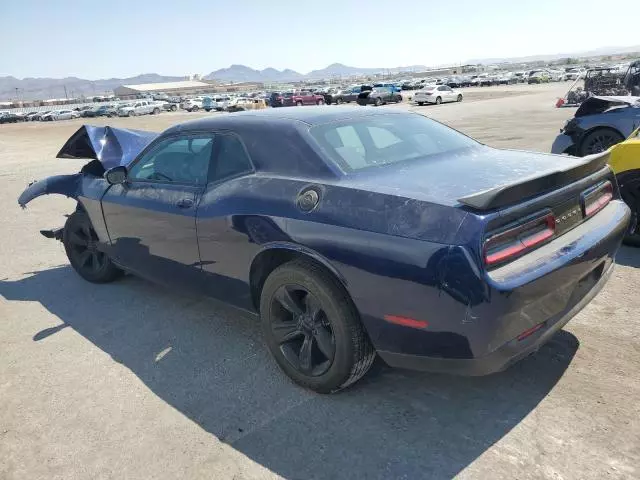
{"x":43,"y":88}
{"x":557,"y":56}
{"x":242,"y":73}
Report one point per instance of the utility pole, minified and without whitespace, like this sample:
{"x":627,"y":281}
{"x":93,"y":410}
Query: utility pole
{"x":65,"y":92}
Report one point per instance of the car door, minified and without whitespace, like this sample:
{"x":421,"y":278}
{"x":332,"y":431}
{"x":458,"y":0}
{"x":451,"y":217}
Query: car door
{"x":229,"y":231}
{"x":151,"y":217}
{"x":448,"y":94}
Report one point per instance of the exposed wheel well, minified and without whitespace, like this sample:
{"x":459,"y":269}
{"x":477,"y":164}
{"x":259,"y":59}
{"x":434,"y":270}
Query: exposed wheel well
{"x":267,"y":261}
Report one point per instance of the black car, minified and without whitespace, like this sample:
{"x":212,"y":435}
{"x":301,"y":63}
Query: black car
{"x":379,"y":96}
{"x":10,"y":118}
{"x":276,"y":99}
{"x":346,"y":96}
{"x":599,"y":123}
{"x":101,"y":111}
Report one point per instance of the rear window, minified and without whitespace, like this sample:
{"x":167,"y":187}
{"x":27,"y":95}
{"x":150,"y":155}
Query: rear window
{"x":356,"y":144}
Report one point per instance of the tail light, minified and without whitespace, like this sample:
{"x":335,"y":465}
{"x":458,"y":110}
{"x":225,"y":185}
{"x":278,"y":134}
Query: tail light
{"x":517,"y":239}
{"x":596,"y":198}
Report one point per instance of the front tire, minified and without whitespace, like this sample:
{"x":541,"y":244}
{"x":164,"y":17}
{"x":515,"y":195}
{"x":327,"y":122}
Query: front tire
{"x":378,"y":102}
{"x":438,"y":101}
{"x":81,"y":245}
{"x":459,"y":99}
{"x":599,"y":140}
{"x":312,"y":328}
{"x":195,"y":108}
{"x":156,"y":111}
{"x":421,"y":104}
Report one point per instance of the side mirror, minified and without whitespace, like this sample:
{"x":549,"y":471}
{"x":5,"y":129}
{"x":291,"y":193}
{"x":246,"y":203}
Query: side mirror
{"x":116,"y":175}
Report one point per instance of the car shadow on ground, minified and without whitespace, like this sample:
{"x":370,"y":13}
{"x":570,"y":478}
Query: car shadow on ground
{"x":628,"y":256}
{"x":209,"y":362}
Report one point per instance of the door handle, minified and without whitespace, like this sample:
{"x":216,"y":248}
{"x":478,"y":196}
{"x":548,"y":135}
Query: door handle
{"x":184,"y":203}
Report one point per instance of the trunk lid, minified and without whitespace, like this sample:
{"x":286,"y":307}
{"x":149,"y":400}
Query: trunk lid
{"x":447,"y":178}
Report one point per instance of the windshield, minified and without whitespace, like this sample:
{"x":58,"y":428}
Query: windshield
{"x":356,"y":144}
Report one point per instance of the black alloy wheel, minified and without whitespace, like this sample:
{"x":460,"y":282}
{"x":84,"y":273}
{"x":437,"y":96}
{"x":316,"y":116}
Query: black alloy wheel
{"x":599,"y":140}
{"x":312,"y":327}
{"x":82,"y":247}
{"x":302,"y":330}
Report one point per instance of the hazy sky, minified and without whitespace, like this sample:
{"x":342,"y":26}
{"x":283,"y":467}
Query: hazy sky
{"x":120,"y":38}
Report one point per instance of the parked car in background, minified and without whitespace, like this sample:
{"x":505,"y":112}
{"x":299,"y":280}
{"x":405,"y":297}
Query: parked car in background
{"x":538,"y":76}
{"x":347,"y":95}
{"x":142,"y":107}
{"x":599,"y":123}
{"x":379,"y":96}
{"x":38,"y":115}
{"x":10,"y":118}
{"x":437,"y":94}
{"x":506,"y":78}
{"x":555,"y":75}
{"x":574,"y":73}
{"x":521,"y":77}
{"x":101,"y":111}
{"x":393,"y":86}
{"x":60,"y":115}
{"x":169,"y":106}
{"x":305,"y":98}
{"x":241,"y":104}
{"x":192,"y":104}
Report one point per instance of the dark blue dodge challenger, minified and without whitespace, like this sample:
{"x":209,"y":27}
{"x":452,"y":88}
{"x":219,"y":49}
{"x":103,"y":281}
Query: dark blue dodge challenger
{"x":352,"y":232}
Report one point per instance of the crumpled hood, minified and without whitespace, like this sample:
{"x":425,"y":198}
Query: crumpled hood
{"x":111,"y":146}
{"x":598,"y":104}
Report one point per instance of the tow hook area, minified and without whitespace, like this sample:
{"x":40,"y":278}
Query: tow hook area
{"x":55,"y":233}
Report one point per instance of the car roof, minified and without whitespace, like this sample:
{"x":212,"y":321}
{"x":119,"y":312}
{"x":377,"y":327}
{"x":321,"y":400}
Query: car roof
{"x":314,"y":115}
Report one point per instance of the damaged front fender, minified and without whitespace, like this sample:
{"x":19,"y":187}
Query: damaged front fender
{"x":67,"y":185}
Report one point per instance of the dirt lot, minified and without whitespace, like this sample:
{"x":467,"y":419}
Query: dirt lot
{"x":128,"y":380}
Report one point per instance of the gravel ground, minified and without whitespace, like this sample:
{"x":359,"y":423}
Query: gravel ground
{"x":131,"y":381}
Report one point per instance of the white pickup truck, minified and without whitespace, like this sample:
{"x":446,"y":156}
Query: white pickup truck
{"x":141,"y":107}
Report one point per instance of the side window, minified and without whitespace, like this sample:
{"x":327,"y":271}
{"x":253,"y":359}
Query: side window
{"x":182,"y":159}
{"x":231,"y":158}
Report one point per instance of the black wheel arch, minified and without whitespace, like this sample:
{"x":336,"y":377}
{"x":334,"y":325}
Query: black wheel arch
{"x":267,"y":260}
{"x":588,"y":132}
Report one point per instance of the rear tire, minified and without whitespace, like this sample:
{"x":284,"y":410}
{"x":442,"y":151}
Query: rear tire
{"x":304,"y":309}
{"x":629,"y":183}
{"x":80,"y":243}
{"x":156,"y":111}
{"x":320,"y":102}
{"x":195,"y":108}
{"x":421,"y":104}
{"x":298,"y":104}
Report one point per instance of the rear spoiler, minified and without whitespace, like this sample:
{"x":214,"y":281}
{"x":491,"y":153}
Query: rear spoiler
{"x":505,"y":195}
{"x":111,"y":146}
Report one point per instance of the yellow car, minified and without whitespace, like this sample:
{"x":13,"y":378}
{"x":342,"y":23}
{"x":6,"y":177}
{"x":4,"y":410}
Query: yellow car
{"x":625,"y":162}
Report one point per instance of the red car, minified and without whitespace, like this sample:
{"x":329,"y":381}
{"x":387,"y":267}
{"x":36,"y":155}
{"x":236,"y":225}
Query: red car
{"x":302,"y":98}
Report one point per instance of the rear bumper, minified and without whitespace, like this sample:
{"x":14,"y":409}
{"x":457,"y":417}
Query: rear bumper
{"x":503,"y":357}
